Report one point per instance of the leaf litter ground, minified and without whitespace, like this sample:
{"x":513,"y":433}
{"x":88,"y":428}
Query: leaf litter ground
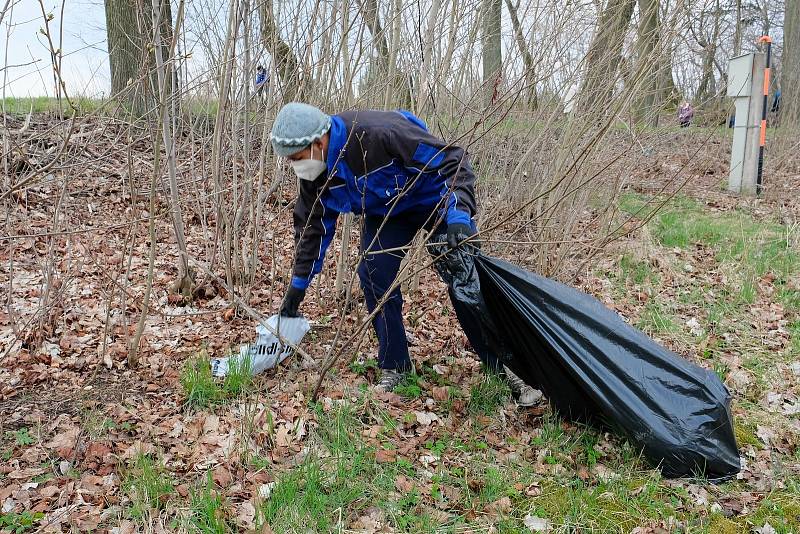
{"x":89,"y":444}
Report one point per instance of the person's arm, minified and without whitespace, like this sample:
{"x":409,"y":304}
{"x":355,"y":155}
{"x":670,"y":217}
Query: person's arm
{"x":314,"y":226}
{"x":419,"y":151}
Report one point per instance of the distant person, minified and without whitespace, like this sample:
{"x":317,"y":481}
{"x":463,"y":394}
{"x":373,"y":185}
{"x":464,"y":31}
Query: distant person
{"x":685,"y":114}
{"x":776,"y":102}
{"x":261,"y":79}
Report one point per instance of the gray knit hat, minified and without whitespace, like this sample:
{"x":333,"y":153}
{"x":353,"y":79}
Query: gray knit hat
{"x":296,"y":126}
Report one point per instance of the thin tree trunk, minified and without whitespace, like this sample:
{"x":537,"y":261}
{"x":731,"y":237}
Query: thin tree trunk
{"x":708,"y":86}
{"x":445,"y":68}
{"x":492,"y":48}
{"x":527,"y":58}
{"x":166,"y":106}
{"x":325,"y":50}
{"x":286,"y":62}
{"x":390,"y":93}
{"x":426,"y":81}
{"x":648,"y":43}
{"x":133,"y":349}
{"x":383,"y":68}
{"x":218,"y":151}
{"x":790,"y":78}
{"x":737,"y":31}
{"x":347,"y":70}
{"x":369,"y":10}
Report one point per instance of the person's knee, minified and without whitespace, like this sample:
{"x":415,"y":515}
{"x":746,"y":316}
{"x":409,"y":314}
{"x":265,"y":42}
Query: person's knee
{"x":365,"y":281}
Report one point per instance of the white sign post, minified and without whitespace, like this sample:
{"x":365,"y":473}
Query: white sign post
{"x":745,"y":83}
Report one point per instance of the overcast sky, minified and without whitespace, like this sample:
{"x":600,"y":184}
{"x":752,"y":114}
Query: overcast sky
{"x":85,"y":64}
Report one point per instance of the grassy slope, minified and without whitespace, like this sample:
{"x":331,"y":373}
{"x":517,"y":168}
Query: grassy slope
{"x":484,"y":462}
{"x":710,"y":266}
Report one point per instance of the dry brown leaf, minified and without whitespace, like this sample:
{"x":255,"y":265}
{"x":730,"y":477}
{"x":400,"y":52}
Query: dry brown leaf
{"x":441,"y":393}
{"x":246,"y":515}
{"x":49,"y":491}
{"x":283,"y":437}
{"x":426,"y":418}
{"x":385,"y":456}
{"x":29,"y":472}
{"x":403,"y":484}
{"x":500,"y":506}
{"x":222,"y":476}
{"x":64,"y":440}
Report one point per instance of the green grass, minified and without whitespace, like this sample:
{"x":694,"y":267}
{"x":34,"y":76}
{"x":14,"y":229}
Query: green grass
{"x":310,"y":493}
{"x":656,"y":319}
{"x":794,"y":333}
{"x":239,"y":380}
{"x":758,"y":247}
{"x":746,"y":434}
{"x":198,"y":384}
{"x":618,"y":505}
{"x":410,"y":387}
{"x":344,"y":481}
{"x":148,"y":485}
{"x":18,"y":523}
{"x":781,"y":509}
{"x":209,"y":510}
{"x":361,"y":367}
{"x":200,"y":107}
{"x":637,"y":272}
{"x":44,"y":104}
{"x":745,"y":249}
{"x":488,"y":395}
{"x":201,"y":389}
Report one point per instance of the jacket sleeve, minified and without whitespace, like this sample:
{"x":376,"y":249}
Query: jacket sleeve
{"x":314,"y":226}
{"x":420,"y":151}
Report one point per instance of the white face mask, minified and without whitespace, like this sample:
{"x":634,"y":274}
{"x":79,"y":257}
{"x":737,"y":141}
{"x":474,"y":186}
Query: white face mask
{"x":308,"y":169}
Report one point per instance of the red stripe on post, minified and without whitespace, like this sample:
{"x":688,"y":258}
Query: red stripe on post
{"x":766,"y":81}
{"x":763,"y":139}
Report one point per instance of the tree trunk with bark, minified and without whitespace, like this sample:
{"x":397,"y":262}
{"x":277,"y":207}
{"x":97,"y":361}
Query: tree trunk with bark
{"x":129,"y":32}
{"x":527,"y":57}
{"x":126,"y":52}
{"x":708,"y":84}
{"x":790,"y":77}
{"x":286,"y":63}
{"x":166,"y":95}
{"x":369,"y":10}
{"x":491,"y":48}
{"x":737,"y":29}
{"x":427,"y":82}
{"x":649,"y":63}
{"x":605,"y":55}
{"x":382,"y":68}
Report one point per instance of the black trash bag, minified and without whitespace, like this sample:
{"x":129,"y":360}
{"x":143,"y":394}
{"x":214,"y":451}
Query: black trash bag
{"x":594,"y":367}
{"x":457,"y":269}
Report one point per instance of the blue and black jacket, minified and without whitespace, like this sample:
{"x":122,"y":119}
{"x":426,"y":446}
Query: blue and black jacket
{"x":379,"y":163}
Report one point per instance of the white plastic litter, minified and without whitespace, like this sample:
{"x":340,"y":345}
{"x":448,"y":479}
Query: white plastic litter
{"x":267,"y":351}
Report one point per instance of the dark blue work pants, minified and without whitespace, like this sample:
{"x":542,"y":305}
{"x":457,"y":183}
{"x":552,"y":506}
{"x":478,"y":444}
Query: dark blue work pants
{"x":378,"y":271}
